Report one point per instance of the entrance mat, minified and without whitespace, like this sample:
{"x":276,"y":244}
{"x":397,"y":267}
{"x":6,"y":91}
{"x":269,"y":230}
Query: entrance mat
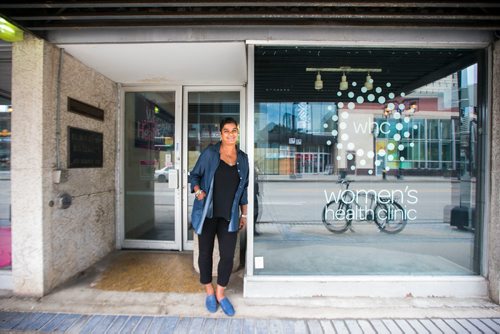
{"x":150,"y":272}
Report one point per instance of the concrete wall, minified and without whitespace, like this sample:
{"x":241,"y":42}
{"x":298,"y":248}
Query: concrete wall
{"x":494,"y":221}
{"x":49,"y":244}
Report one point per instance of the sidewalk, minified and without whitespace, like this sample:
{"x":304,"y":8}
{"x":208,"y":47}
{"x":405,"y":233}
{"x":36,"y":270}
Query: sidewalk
{"x":79,"y":307}
{"x":81,"y":323}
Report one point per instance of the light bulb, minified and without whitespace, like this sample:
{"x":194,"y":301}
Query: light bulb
{"x":343,"y":83}
{"x":318,"y":84}
{"x":369,"y":82}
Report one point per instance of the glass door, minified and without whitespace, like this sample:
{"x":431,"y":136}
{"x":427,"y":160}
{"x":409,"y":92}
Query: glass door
{"x":205,"y":107}
{"x":152,"y":161}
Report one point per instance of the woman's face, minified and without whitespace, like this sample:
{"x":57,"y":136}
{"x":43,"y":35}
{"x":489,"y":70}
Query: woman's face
{"x":229,"y":134}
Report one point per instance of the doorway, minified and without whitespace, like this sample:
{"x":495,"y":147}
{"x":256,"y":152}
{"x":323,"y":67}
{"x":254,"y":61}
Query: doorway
{"x":205,"y":107}
{"x":165,"y":131}
{"x":152,"y":161}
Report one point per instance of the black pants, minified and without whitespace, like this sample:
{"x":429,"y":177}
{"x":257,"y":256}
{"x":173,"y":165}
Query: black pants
{"x":227,"y":245}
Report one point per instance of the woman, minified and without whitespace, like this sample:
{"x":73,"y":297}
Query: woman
{"x":219,"y":181}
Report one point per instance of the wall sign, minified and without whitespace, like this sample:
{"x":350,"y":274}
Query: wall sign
{"x":85,"y":109}
{"x":85,"y":148}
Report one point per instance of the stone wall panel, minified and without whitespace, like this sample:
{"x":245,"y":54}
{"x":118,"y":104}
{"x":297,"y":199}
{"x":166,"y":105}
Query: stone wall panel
{"x":51,"y":245}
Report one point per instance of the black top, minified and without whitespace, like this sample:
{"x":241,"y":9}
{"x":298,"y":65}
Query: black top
{"x":226,"y":181}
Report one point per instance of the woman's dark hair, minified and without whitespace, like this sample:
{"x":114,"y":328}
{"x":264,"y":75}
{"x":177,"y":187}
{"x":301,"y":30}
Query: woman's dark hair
{"x":227,"y":120}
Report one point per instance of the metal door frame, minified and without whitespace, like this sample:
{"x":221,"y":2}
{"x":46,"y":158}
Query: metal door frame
{"x":188,"y":244}
{"x":122,"y":242}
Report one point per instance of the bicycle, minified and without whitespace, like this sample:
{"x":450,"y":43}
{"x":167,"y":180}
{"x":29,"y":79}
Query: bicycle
{"x":385,"y":212}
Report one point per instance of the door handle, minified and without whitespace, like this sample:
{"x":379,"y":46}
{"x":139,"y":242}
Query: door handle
{"x":173,"y":179}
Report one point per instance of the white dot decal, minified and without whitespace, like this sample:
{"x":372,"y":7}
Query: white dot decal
{"x":360,"y":152}
{"x":363,"y":89}
{"x":388,"y":84}
{"x":339,"y":157}
{"x":391,"y":106}
{"x":397,"y":115}
{"x":345,"y":137}
{"x":360,"y":99}
{"x":406,"y":134}
{"x":350,"y":146}
{"x":403,"y":94}
{"x":340,"y":105}
{"x":401,"y":147}
{"x":339,"y":146}
{"x":391,"y":95}
{"x":350,"y":156}
{"x":381,"y":100}
{"x":401,"y":106}
{"x":345,"y":115}
{"x":351,"y":95}
{"x":387,"y":169}
{"x":343,"y":125}
{"x":399,"y":126}
{"x":370,"y":172}
{"x":390,"y":146}
{"x":402,"y":159}
{"x":371,"y":97}
{"x":377,"y":163}
{"x":335,"y":133}
{"x":407,"y":119}
{"x":351,"y":105}
{"x":397,"y":137}
{"x":378,"y":90}
{"x":381,"y":152}
{"x":353,"y":168}
{"x":339,"y":94}
{"x":415,"y":127}
{"x":362,"y":162}
{"x":329,"y":107}
{"x":354,"y":84}
{"x":335,"y":118}
{"x":325,"y":125}
{"x":412,"y":144}
{"x":328,"y":142}
{"x":390,"y":157}
{"x":370,"y":154}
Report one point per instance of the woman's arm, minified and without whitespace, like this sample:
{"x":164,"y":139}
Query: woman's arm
{"x":243,"y":216}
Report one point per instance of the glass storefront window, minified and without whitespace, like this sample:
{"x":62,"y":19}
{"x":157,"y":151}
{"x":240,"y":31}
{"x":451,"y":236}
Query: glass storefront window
{"x":362,"y":181}
{"x":5,"y":219}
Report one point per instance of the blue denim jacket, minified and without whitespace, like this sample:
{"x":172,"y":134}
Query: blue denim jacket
{"x":203,"y":175}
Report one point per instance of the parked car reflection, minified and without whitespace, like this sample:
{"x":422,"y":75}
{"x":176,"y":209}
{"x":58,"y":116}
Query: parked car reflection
{"x":161,"y":175}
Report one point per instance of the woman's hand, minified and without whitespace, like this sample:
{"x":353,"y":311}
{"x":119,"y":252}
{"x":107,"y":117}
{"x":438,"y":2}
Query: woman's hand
{"x":201,"y":196}
{"x":243,"y":222}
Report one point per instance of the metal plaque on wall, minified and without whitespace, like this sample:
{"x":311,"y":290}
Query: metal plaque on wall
{"x":85,"y":148}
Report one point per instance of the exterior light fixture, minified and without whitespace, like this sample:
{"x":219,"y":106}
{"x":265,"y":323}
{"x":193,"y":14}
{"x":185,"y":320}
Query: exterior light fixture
{"x":318,"y":84}
{"x":369,"y":82}
{"x":343,"y":82}
{"x":9,"y":32}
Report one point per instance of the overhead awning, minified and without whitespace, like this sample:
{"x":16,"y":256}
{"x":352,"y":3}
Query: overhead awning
{"x":166,"y":63}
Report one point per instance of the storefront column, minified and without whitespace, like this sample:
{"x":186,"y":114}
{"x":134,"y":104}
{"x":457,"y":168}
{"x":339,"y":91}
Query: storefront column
{"x":494,"y":221}
{"x":28,"y":88}
{"x":51,"y":244}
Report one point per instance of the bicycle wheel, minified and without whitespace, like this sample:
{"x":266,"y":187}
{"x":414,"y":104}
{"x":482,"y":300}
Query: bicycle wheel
{"x":336,"y":216}
{"x":390,"y":217}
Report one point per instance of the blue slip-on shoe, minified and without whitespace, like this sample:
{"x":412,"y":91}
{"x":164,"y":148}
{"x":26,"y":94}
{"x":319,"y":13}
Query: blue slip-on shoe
{"x":211,"y":303}
{"x":226,"y":306}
